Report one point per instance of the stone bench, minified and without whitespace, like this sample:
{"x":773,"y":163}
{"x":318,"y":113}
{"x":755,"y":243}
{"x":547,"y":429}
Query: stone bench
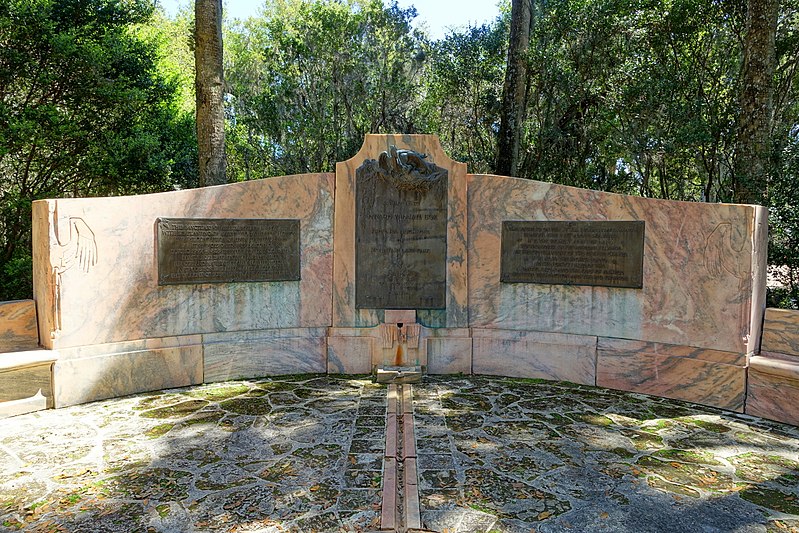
{"x":26,"y":371}
{"x":773,"y":385}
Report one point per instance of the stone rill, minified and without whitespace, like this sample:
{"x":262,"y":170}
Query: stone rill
{"x":401,"y":232}
{"x":207,"y":250}
{"x":600,"y":253}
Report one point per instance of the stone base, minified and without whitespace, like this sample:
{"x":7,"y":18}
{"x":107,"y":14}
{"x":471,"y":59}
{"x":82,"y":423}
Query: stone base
{"x":532,"y":354}
{"x":399,"y":374}
{"x":773,"y":388}
{"x":37,"y":402}
{"x":708,"y":377}
{"x":361,"y":350}
{"x":26,"y":381}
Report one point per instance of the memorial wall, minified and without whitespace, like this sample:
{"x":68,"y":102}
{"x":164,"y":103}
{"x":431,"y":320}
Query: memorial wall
{"x":400,"y":258}
{"x":170,"y":289}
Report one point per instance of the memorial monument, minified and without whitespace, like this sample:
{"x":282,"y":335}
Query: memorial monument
{"x":400,"y":260}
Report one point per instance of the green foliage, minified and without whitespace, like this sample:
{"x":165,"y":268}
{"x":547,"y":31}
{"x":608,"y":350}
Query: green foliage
{"x":311,"y":77}
{"x":462,"y":92}
{"x":84,"y":111}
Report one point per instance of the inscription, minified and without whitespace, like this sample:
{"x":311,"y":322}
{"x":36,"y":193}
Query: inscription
{"x":606,"y":253}
{"x":219,"y":250}
{"x":400,"y":233}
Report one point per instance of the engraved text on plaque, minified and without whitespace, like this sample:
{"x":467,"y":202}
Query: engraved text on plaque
{"x":220,"y":250}
{"x":400,"y":233}
{"x":602,"y":253}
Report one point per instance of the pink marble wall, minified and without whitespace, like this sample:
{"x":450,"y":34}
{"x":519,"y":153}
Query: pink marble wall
{"x":108,"y":288}
{"x":701,"y":262}
{"x":773,"y":386}
{"x":781,"y":332}
{"x":709,"y":377}
{"x":534,"y":354}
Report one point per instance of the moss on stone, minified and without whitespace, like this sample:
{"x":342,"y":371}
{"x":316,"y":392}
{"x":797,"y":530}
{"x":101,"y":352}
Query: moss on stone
{"x":247,"y":406}
{"x":178,"y":410}
{"x":159,"y":430}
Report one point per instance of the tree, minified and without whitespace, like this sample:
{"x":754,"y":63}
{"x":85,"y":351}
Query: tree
{"x":210,"y":87}
{"x":514,"y":94}
{"x":83,"y":111}
{"x":755,"y":107}
{"x":311,"y":77}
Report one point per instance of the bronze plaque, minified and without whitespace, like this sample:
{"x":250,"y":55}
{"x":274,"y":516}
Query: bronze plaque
{"x":606,"y":253}
{"x":400,"y":232}
{"x":225,"y":250}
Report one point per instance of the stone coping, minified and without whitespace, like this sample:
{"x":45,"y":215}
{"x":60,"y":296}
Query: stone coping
{"x":28,"y":358}
{"x":784,"y":367}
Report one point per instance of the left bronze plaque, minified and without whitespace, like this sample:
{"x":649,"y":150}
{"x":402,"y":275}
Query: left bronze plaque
{"x":225,"y":250}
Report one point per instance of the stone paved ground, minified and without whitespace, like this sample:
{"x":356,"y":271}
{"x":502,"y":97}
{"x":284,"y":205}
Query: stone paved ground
{"x":518,"y":456}
{"x":301,"y":453}
{"x":304,"y":454}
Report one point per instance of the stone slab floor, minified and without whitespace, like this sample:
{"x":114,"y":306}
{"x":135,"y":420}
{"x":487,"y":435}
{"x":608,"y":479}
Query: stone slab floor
{"x":519,"y":456}
{"x":297,"y":454}
{"x":304,"y":453}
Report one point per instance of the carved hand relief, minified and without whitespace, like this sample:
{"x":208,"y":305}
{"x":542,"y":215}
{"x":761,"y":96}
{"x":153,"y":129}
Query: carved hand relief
{"x":400,"y":232}
{"x":72,"y":244}
{"x":723,"y":249}
{"x":722,"y":254}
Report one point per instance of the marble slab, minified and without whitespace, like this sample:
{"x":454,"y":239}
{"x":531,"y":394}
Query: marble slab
{"x":252,"y":354}
{"x":773,"y":389}
{"x":708,"y":377}
{"x":18,"y":330}
{"x":449,"y":355}
{"x":119,"y":374}
{"x":95,"y":268}
{"x":781,"y":332}
{"x":349,"y":355}
{"x":532,"y":354}
{"x":345,"y":313}
{"x":701,"y":262}
{"x":21,"y":382}
{"x":37,"y":402}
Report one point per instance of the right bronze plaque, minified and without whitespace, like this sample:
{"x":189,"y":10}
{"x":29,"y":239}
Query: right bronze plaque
{"x":601,"y":253}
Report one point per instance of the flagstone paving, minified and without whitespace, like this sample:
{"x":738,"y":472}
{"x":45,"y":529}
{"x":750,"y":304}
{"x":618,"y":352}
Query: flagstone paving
{"x":519,"y":456}
{"x":301,"y":453}
{"x":304,"y":453}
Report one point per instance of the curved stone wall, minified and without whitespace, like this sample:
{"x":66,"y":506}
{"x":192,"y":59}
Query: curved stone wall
{"x":687,"y":333}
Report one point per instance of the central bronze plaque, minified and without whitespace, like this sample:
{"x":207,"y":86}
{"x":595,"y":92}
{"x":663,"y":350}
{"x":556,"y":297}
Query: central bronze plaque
{"x":400,"y":233}
{"x":604,"y":253}
{"x":223,"y":250}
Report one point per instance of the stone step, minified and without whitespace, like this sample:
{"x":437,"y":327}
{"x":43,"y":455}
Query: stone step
{"x":26,"y":381}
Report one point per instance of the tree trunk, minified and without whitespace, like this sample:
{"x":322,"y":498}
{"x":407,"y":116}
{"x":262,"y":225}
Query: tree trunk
{"x":755,"y":105}
{"x":514,"y":93}
{"x":209,"y":84}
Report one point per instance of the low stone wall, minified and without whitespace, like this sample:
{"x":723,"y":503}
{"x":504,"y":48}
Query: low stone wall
{"x":773,"y":387}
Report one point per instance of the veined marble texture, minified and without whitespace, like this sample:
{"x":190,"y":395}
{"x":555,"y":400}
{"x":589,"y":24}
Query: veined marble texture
{"x":344,"y":312}
{"x":709,"y":377}
{"x":95,"y":270}
{"x":773,"y":388}
{"x":358,"y":350}
{"x":781,"y":332}
{"x":703,"y":267}
{"x":18,"y":329}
